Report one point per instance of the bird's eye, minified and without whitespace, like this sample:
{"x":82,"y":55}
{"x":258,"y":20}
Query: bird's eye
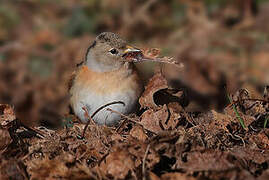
{"x":113,"y":51}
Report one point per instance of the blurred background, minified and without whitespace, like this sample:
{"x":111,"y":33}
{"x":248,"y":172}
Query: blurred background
{"x":224,"y":45}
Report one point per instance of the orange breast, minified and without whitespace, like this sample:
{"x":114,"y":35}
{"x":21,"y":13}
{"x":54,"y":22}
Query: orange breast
{"x":104,"y":83}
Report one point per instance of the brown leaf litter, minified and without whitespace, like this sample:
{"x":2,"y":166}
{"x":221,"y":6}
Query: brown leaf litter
{"x":164,"y":142}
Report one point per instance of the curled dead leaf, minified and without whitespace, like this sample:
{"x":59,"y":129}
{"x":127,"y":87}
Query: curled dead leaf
{"x":157,"y":92}
{"x":152,"y":119}
{"x":156,"y":83}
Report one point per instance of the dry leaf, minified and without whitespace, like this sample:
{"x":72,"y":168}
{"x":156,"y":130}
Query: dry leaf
{"x":138,"y":132}
{"x":7,"y":115}
{"x":211,"y":160}
{"x":117,"y":164}
{"x":5,"y":139}
{"x":150,"y":54}
{"x":152,"y":119}
{"x":156,"y":83}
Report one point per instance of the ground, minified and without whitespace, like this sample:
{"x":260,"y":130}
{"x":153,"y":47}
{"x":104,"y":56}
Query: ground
{"x":206,"y":120}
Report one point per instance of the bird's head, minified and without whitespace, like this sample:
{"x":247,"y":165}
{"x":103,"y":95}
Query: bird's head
{"x":108,"y":52}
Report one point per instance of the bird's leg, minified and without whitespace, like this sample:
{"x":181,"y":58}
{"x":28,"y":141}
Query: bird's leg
{"x":90,"y":118}
{"x":88,"y":122}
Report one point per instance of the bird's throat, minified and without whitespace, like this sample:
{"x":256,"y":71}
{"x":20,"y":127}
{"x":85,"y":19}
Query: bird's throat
{"x":100,"y":66}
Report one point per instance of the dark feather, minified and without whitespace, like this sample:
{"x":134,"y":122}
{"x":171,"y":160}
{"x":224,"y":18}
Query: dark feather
{"x":73,"y":75}
{"x":91,"y":46}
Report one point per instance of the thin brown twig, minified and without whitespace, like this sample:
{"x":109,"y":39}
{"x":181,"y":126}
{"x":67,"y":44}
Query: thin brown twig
{"x":248,"y":99}
{"x":129,"y":119}
{"x":37,"y":133}
{"x":144,"y":162}
{"x":122,"y":115}
{"x":121,"y":124}
{"x":237,"y":137}
{"x":187,"y":117}
{"x":88,"y":122}
{"x":244,"y":144}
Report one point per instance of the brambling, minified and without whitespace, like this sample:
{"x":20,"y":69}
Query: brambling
{"x":105,"y":76}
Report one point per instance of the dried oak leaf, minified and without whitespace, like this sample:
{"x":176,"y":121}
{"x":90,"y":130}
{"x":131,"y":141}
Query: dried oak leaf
{"x":156,"y":83}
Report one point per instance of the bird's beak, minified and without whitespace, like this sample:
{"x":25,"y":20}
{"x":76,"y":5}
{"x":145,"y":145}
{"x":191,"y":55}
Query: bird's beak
{"x":130,"y":49}
{"x":132,"y":54}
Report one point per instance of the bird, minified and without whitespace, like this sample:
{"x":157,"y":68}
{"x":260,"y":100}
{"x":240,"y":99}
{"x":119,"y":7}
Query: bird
{"x":103,"y":77}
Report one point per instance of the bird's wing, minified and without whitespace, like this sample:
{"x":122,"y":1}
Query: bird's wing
{"x":73,"y":75}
